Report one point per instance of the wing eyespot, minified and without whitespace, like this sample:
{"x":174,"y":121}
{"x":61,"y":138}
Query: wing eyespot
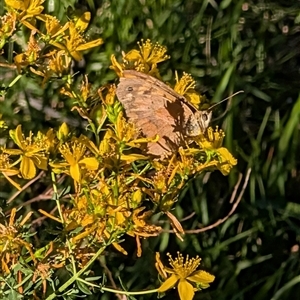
{"x":130,"y":89}
{"x":147,"y":92}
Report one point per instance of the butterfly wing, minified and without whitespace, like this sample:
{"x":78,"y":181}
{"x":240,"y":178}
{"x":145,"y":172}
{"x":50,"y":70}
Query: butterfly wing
{"x":154,"y":108}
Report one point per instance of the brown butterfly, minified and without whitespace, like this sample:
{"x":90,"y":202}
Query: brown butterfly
{"x":155,"y":108}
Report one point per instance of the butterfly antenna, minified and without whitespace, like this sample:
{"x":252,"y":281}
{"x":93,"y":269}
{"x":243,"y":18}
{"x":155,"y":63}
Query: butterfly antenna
{"x":214,"y":105}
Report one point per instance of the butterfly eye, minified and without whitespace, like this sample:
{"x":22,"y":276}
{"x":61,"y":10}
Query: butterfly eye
{"x":204,"y":117}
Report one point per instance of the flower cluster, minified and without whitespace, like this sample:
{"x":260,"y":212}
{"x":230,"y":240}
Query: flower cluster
{"x":62,"y":42}
{"x":113,"y":187}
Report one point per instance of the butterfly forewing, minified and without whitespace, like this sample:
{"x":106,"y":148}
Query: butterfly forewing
{"x":154,"y":108}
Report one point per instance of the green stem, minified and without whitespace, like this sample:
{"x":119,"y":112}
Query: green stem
{"x":62,"y":219}
{"x":15,"y":80}
{"x":117,"y":291}
{"x":129,"y":293}
{"x":94,"y":130}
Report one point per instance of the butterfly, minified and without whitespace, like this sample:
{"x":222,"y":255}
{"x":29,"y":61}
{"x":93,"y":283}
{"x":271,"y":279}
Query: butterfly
{"x":156,"y":109}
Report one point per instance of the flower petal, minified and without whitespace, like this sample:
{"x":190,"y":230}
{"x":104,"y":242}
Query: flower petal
{"x":168,"y":284}
{"x":227,"y":161}
{"x":90,"y":163}
{"x":27,"y":168}
{"x":185,"y":290}
{"x":40,"y":161}
{"x":201,"y":277}
{"x":75,"y":172}
{"x":17,"y":136}
{"x":16,"y":4}
{"x":133,"y":157}
{"x":89,"y":45}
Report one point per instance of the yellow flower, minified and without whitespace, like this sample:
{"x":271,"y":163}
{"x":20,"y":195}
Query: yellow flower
{"x":56,"y":63}
{"x":113,"y":110}
{"x":185,"y":83}
{"x":59,"y":62}
{"x":144,"y":60}
{"x":75,"y":43}
{"x":152,"y":54}
{"x":185,"y":86}
{"x":140,"y":225}
{"x":26,"y":9}
{"x":33,"y":152}
{"x":76,"y":161}
{"x":53,"y":27}
{"x":213,"y":139}
{"x":183,"y":275}
{"x":212,"y":144}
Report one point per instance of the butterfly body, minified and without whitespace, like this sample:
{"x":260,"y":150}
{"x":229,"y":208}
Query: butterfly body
{"x":156,"y":109}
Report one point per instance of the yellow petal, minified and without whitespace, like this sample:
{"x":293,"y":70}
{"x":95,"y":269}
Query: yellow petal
{"x":116,"y":66}
{"x":16,"y":4}
{"x":201,"y":277}
{"x":83,"y":22}
{"x":119,"y":248}
{"x":185,"y":290}
{"x":17,"y":136}
{"x":194,"y":98}
{"x":133,"y":55}
{"x":63,"y":132}
{"x":9,"y":172}
{"x":227,"y":161}
{"x":29,"y":25}
{"x":13,"y":151}
{"x":27,"y":168}
{"x":133,"y":157}
{"x":227,"y":156}
{"x":89,"y":45}
{"x":76,"y":55}
{"x":40,"y":161}
{"x":153,"y":139}
{"x":168,"y":284}
{"x":15,"y":184}
{"x":90,"y":163}
{"x":88,"y":143}
{"x":58,"y":45}
{"x":75,"y":172}
{"x":137,"y":196}
{"x":159,"y":266}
